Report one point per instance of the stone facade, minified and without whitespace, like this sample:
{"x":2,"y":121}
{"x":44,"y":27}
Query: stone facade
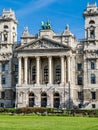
{"x":49,"y":70}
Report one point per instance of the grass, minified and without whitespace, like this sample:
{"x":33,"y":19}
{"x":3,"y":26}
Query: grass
{"x":17,"y":122}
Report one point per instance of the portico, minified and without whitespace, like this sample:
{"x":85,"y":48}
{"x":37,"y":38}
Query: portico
{"x":48,"y":70}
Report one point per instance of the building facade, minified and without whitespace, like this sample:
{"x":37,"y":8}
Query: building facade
{"x":49,"y":70}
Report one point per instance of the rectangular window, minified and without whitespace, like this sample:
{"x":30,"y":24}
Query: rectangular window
{"x":80,"y":95}
{"x":80,"y":105}
{"x":2,"y":95}
{"x":5,"y":37}
{"x":16,"y":68}
{"x":79,"y":66}
{"x":3,"y":67}
{"x":93,"y":106}
{"x":3,"y":79}
{"x":93,"y":95}
{"x":79,"y":79}
{"x":93,"y":79}
{"x":93,"y":64}
{"x":16,"y":79}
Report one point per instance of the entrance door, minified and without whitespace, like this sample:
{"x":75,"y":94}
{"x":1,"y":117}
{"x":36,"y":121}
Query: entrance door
{"x":43,"y":100}
{"x":31,"y":99}
{"x":56,"y":100}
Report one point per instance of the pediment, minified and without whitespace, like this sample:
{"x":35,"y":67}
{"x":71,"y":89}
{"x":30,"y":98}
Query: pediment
{"x":43,"y":43}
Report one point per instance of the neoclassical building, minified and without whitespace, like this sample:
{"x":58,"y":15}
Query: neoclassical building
{"x":49,"y":70}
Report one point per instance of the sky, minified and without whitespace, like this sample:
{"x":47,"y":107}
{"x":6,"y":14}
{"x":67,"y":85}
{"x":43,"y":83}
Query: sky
{"x":30,"y":13}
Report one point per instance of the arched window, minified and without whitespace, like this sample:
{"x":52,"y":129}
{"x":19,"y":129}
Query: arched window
{"x":92,"y":32}
{"x":46,"y":74}
{"x":5,"y":35}
{"x":79,"y":79}
{"x":34,"y":74}
{"x":93,"y":79}
{"x":92,"y":22}
{"x":5,"y":27}
{"x":58,"y":74}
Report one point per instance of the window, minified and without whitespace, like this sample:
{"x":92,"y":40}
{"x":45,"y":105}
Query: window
{"x":5,"y":36}
{"x":79,"y":79}
{"x":3,"y":67}
{"x":93,"y":79}
{"x":34,"y":73}
{"x":80,"y":105}
{"x":80,"y":95}
{"x":16,"y":78}
{"x":16,"y":68}
{"x":3,"y":79}
{"x":93,"y":106}
{"x":92,"y":32}
{"x":92,"y":22}
{"x":46,"y":74}
{"x":58,"y":74}
{"x":92,"y":64}
{"x":5,"y":27}
{"x":79,"y":66}
{"x":2,"y":95}
{"x":93,"y":95}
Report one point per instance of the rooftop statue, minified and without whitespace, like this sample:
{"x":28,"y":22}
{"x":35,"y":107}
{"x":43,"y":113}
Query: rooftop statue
{"x":46,"y":26}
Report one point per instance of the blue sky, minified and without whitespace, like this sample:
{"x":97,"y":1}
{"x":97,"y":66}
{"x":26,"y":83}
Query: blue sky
{"x":60,"y":12}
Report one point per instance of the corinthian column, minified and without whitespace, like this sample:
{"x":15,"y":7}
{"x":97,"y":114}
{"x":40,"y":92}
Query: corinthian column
{"x":38,"y":70}
{"x":19,"y":71}
{"x":50,"y":70}
{"x":62,"y":70}
{"x":26,"y":69}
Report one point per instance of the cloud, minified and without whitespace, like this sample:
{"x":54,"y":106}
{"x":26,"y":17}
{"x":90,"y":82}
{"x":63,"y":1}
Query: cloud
{"x":34,"y":6}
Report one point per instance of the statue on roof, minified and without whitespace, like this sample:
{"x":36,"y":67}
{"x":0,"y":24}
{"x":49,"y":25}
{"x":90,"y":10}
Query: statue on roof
{"x":46,"y":26}
{"x":43,"y":25}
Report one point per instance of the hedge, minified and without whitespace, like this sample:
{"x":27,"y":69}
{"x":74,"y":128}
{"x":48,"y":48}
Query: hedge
{"x":50,"y":111}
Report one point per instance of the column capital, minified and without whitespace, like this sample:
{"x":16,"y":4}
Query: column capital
{"x":19,"y":57}
{"x":25,"y":57}
{"x":37,"y":57}
{"x":62,"y":56}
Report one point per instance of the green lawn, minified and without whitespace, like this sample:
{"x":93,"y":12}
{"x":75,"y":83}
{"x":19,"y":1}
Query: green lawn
{"x":8,"y":122}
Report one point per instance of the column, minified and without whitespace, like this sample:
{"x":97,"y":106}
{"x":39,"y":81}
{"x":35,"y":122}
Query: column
{"x":62,"y":70}
{"x":38,"y":70}
{"x":20,"y":69}
{"x":68,"y":65}
{"x":50,"y":70}
{"x":25,"y":69}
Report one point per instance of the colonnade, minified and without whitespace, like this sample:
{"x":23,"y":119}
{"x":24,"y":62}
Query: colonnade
{"x":50,"y":67}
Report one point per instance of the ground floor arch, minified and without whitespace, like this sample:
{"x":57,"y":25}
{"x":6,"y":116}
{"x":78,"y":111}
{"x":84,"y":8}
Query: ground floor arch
{"x":31,"y":99}
{"x":43,"y":99}
{"x":56,"y":100}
